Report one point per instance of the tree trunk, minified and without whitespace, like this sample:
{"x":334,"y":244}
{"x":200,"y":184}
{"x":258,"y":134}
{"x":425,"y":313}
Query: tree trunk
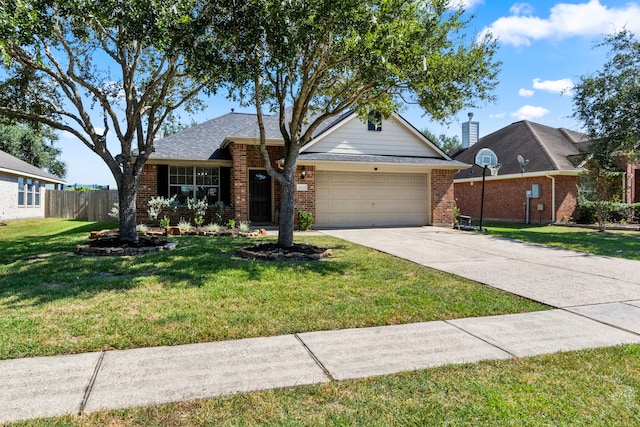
{"x":287,"y":200}
{"x":127,"y":193}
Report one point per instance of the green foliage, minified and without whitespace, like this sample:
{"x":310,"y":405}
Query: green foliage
{"x":34,"y":146}
{"x":448,"y":144}
{"x":161,"y":204}
{"x":311,"y":61}
{"x":165,"y":222}
{"x":244,"y":226}
{"x":56,"y":302}
{"x":64,"y":59}
{"x":305,"y":220}
{"x":184,"y":225}
{"x":198,"y":207}
{"x":142,"y":228}
{"x":606,"y":102}
{"x":231,"y":224}
{"x":218,"y":211}
{"x":213,"y":227}
{"x":198,"y":221}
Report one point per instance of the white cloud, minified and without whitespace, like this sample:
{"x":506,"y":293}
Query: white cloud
{"x":526,"y":92}
{"x":562,"y":86}
{"x":565,"y":20}
{"x":529,"y":112}
{"x":466,"y":4}
{"x":497,"y":116}
{"x":521,"y":9}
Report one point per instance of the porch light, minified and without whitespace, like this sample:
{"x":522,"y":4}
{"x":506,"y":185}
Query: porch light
{"x":303,"y":172}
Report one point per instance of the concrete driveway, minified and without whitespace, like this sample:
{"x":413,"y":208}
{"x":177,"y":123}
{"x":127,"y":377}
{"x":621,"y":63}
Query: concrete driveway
{"x":556,"y":277}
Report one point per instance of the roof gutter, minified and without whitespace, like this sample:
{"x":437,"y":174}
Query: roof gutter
{"x":569,"y":172}
{"x":31,"y":175}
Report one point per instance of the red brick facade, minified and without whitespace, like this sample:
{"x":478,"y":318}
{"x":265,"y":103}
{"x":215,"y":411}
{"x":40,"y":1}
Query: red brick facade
{"x":248,"y":157}
{"x":442,"y":192}
{"x":505,"y":199}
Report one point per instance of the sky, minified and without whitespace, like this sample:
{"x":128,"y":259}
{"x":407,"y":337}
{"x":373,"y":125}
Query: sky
{"x":545,"y":48}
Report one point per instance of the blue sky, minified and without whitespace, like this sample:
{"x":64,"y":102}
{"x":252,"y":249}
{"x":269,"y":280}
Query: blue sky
{"x":545,"y":47}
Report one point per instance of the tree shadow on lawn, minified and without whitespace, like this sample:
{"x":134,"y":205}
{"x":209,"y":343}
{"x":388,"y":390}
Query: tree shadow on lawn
{"x":195,"y":263}
{"x":15,"y":249}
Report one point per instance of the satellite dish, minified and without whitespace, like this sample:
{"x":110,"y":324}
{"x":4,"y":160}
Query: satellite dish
{"x":522,"y":162}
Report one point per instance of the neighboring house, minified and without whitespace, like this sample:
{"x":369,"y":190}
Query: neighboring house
{"x":351,"y":174}
{"x":551,"y":170}
{"x":22,"y":188}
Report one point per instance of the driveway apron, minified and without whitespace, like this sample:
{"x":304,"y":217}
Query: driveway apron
{"x":556,"y":277}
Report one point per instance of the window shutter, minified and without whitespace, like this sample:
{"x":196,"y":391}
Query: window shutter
{"x":163,"y":180}
{"x":225,"y":185}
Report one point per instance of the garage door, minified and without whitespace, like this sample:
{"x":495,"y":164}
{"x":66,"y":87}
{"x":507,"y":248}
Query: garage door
{"x":348,"y":199}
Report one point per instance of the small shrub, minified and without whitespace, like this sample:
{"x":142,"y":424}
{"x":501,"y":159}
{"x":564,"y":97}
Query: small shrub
{"x":198,"y":207}
{"x":164,"y":222}
{"x":160,"y":204}
{"x":198,"y":221}
{"x":305,"y":220}
{"x":231,"y":224}
{"x":184,"y":225}
{"x":244,"y":226}
{"x":142,"y":228}
{"x":115,"y":211}
{"x":213,"y":227}
{"x":218,"y":211}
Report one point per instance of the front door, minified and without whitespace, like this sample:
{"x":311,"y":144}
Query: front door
{"x":259,"y":196}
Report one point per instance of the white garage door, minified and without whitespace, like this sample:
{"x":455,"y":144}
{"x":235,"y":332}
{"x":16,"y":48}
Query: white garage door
{"x":349,"y":199}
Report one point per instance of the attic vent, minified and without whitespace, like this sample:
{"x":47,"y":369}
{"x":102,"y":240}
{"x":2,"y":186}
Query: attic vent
{"x":375,"y":121}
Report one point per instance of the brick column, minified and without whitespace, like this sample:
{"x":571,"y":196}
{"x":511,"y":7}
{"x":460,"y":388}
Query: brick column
{"x":239,"y":182}
{"x":441,"y":197}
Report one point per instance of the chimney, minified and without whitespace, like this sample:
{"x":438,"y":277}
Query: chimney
{"x":470,"y":132}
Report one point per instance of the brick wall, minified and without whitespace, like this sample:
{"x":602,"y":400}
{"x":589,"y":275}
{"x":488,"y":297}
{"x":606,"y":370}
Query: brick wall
{"x":442,"y":196}
{"x":306,"y":200}
{"x":505,"y":199}
{"x":148,"y":189}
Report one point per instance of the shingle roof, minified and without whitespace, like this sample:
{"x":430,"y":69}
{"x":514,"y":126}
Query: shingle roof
{"x":20,"y":167}
{"x":206,"y":141}
{"x":546,"y":148}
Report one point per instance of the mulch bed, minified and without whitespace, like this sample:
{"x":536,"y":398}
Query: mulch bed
{"x":272,"y":252}
{"x":113,"y":246}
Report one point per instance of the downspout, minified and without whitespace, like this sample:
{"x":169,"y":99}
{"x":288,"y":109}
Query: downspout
{"x":553,"y":198}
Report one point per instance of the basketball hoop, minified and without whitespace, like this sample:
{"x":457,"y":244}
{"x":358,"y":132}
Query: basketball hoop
{"x":494,"y":169}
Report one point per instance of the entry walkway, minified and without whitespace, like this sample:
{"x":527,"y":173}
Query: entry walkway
{"x":604,"y":312}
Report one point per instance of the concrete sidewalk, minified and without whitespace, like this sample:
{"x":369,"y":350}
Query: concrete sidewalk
{"x":50,"y":386}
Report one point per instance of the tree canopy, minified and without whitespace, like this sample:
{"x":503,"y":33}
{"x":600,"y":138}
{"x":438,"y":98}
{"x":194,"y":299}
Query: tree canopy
{"x":66,"y":59}
{"x":448,"y":144}
{"x":309,"y":61}
{"x":607,"y":102}
{"x":34,"y":146}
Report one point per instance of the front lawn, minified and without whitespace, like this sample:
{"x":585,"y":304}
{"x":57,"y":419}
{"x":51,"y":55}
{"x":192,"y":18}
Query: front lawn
{"x":55,"y":302}
{"x":621,"y":244}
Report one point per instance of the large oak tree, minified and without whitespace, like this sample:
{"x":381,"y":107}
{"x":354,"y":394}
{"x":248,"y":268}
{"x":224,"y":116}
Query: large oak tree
{"x":64,"y":60}
{"x":312,"y":60}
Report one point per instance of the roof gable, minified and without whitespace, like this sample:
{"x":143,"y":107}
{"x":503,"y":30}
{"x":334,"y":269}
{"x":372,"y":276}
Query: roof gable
{"x":546,"y":149}
{"x":14,"y":165}
{"x":351,"y":136}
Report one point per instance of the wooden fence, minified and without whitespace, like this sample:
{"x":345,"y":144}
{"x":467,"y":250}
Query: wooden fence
{"x":92,"y":205}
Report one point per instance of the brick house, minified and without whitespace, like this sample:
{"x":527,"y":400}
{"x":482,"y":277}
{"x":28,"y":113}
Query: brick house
{"x":552,"y":172}
{"x":23,"y":188}
{"x":351,"y":174}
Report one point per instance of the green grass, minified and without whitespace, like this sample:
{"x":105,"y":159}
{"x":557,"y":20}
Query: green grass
{"x":620,"y":244}
{"x":54,"y":302}
{"x":598,"y":387}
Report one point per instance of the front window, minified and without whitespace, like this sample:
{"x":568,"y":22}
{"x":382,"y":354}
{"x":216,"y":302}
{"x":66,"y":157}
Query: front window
{"x":29,"y":192}
{"x":21,"y":195}
{"x":195,"y":182}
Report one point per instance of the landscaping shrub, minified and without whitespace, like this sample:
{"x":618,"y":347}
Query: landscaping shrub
{"x":305,"y":220}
